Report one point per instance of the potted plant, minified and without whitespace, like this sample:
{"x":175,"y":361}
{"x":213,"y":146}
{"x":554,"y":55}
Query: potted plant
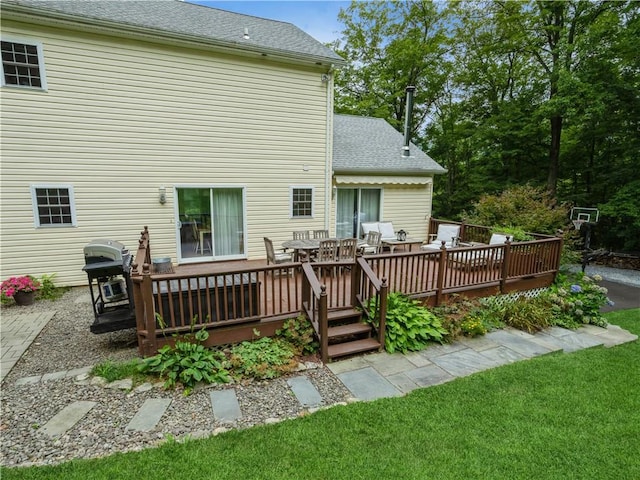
{"x":21,"y":289}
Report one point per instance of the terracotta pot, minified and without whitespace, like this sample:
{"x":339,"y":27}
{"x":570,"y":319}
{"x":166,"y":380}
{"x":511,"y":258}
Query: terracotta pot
{"x":24,"y":298}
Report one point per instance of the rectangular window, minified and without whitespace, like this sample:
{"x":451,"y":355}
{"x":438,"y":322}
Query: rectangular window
{"x":22,"y":65}
{"x":301,"y":202}
{"x":53,"y":205}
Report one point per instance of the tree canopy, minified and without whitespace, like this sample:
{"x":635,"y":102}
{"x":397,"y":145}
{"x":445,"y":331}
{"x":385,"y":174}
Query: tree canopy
{"x":545,"y":93}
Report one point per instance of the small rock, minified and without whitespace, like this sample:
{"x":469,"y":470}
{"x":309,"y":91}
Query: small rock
{"x":82,"y":377}
{"x":124,"y":384}
{"x":99,"y":381}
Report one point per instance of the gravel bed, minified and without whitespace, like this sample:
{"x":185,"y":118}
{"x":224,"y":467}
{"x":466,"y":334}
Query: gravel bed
{"x":66,"y":343}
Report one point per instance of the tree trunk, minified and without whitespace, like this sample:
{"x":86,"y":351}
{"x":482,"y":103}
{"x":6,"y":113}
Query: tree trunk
{"x":554,"y":155}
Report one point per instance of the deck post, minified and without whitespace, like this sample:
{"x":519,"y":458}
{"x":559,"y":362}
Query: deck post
{"x":441,"y":267}
{"x":506,"y":260}
{"x":150,"y":346}
{"x":323,"y":322}
{"x":382,"y":312}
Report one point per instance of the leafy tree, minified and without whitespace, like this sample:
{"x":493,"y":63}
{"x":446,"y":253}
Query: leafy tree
{"x":620,"y":219}
{"x":526,"y":207}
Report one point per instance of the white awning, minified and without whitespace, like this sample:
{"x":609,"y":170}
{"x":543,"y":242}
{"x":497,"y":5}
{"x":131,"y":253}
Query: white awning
{"x":382,"y":180}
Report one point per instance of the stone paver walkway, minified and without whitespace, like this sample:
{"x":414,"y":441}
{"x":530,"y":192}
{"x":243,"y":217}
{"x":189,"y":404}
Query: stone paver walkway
{"x":17,"y":331}
{"x":367,"y":377}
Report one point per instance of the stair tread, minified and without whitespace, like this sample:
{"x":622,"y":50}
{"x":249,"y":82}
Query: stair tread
{"x":341,"y":314}
{"x":349,"y":329}
{"x":357,"y":346}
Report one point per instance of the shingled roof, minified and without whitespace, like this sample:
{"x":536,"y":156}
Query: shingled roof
{"x":172,"y":18}
{"x":369,"y":146}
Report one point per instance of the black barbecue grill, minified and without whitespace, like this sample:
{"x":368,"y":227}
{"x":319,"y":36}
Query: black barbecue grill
{"x":108,"y":267}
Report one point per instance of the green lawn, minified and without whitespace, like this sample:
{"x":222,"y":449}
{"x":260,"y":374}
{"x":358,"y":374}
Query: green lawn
{"x":560,"y":416}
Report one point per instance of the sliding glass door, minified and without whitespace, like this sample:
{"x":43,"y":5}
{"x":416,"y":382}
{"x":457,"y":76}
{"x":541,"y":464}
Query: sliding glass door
{"x":211,"y":223}
{"x":354,"y":206}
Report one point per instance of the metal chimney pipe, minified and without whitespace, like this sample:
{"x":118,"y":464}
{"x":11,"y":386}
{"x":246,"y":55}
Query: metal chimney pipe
{"x":407,"y":120}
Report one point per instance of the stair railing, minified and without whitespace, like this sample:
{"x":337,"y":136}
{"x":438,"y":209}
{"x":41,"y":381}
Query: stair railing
{"x":372,"y":289}
{"x":314,"y":304}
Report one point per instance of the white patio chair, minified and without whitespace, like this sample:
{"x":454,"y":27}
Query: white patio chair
{"x":447,"y":233}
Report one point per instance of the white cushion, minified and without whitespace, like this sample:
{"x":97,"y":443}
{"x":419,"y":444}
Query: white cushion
{"x":498,"y":239}
{"x":386,"y":230}
{"x":447,"y":231}
{"x":368,"y":226}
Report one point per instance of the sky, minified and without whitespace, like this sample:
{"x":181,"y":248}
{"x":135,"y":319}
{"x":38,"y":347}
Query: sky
{"x":318,"y":18}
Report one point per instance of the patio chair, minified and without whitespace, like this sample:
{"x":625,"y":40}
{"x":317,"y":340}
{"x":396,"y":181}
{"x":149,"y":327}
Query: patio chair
{"x":482,"y":258}
{"x":301,"y":234}
{"x":276,"y":256}
{"x":447,"y":233}
{"x":373,"y":243}
{"x":202,"y":238}
{"x":347,"y":249}
{"x":327,"y":251}
{"x":321,"y":234}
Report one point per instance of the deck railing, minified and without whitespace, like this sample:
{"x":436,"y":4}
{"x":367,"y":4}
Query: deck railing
{"x":231,"y":299}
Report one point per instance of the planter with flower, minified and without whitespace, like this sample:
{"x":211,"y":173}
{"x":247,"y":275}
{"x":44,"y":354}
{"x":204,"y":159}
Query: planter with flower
{"x":21,"y":289}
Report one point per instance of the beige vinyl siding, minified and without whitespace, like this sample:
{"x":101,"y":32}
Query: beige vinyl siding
{"x":121,"y":118}
{"x":408,"y":207}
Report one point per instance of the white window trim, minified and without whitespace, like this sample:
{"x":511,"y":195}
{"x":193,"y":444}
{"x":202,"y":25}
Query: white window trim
{"x":313,"y":196}
{"x":72,"y":202}
{"x":43,"y":73}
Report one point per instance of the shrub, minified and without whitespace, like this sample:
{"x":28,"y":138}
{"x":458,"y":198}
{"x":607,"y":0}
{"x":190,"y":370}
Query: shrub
{"x":576,"y":299}
{"x":263,"y":358}
{"x":300,"y":334}
{"x":48,"y":290}
{"x":528,"y":314}
{"x":473,"y":326}
{"x":529,"y":208}
{"x":188,"y":362}
{"x":409,"y":325}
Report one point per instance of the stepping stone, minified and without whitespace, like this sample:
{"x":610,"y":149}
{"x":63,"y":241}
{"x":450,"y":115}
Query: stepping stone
{"x":225,"y":405}
{"x":367,"y":384}
{"x":67,"y":418}
{"x":305,"y":391}
{"x":464,"y":362}
{"x":518,"y":343}
{"x":429,"y":375}
{"x":149,"y":415}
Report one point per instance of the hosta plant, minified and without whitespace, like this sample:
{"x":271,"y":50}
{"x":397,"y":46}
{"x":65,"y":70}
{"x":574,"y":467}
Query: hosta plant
{"x":409,"y":325}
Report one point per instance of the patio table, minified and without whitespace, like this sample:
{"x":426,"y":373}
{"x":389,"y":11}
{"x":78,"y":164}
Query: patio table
{"x":393,"y":243}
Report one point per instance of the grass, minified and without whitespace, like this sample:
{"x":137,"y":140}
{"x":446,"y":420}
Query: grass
{"x":564,"y":416}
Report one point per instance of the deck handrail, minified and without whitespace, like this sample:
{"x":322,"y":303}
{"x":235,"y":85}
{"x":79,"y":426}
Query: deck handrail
{"x":379,"y":286}
{"x":315,"y":303}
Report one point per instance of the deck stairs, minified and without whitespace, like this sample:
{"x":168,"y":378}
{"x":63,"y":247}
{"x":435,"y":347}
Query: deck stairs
{"x":348,"y":334}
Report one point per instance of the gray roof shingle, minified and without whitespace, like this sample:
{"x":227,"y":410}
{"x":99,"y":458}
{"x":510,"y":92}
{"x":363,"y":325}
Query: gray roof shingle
{"x":367,"y":145}
{"x":172,"y":17}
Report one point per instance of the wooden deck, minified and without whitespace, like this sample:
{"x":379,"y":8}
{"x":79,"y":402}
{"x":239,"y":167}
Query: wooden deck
{"x":232,"y":299}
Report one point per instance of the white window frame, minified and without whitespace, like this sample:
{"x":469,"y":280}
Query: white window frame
{"x":43,"y":75}
{"x":291,"y":200}
{"x":36,"y":213}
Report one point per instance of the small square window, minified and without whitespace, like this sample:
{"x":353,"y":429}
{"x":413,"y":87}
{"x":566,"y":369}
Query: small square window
{"x":301,"y":202}
{"x":22,"y":65}
{"x":53,"y":205}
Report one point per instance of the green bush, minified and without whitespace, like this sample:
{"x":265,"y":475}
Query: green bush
{"x":528,"y":208}
{"x":409,"y":325}
{"x":262,"y":359}
{"x":188,"y":362}
{"x":48,"y":290}
{"x":300,"y":334}
{"x":576,"y":299}
{"x":527,"y":314}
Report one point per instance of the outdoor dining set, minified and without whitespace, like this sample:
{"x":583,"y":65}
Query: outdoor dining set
{"x":317,"y":246}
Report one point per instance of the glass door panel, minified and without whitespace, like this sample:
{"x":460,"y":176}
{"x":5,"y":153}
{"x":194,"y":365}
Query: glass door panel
{"x":211,"y":223}
{"x":354,"y":206}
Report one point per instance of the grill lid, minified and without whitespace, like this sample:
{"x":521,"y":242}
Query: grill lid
{"x":104,"y":250}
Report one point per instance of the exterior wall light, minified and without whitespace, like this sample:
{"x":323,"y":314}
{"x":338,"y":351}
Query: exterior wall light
{"x":162,"y":195}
